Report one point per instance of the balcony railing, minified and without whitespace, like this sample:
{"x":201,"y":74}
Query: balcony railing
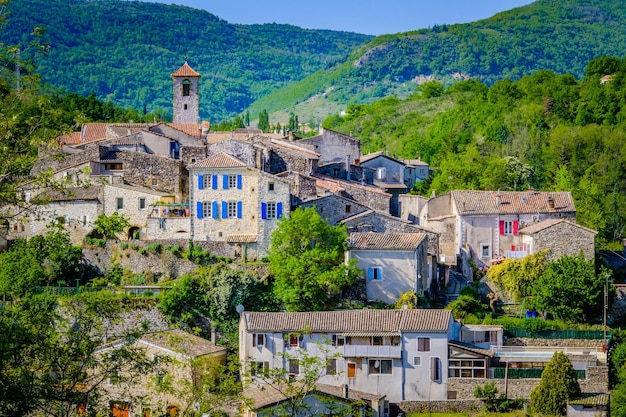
{"x":367,"y":351}
{"x":515,"y":254}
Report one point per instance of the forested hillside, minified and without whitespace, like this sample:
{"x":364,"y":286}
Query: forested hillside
{"x":546,"y":131}
{"x":561,"y":36}
{"x":125,"y":52}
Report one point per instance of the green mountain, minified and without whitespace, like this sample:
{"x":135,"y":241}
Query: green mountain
{"x":125,"y":51}
{"x":561,"y":36}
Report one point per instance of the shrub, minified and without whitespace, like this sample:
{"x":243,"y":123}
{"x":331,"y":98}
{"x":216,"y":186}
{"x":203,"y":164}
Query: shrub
{"x":153,"y":247}
{"x":123,"y":246}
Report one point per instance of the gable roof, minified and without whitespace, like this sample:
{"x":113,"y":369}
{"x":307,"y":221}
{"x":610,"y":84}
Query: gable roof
{"x":219,"y":160}
{"x":512,"y":202}
{"x":380,"y":154}
{"x":185,"y":71}
{"x":371,"y":240}
{"x":543,"y":225}
{"x":181,"y":342}
{"x":351,"y":321}
{"x":91,"y":193}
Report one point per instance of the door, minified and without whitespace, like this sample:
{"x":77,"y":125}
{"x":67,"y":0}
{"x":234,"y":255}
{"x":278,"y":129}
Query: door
{"x":119,"y":409}
{"x":351,"y":370}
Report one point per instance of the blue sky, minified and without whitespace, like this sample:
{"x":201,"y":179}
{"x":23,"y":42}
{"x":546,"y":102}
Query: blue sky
{"x":372,"y":17}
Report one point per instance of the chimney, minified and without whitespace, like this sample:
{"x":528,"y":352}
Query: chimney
{"x":292,"y":136}
{"x":498,"y":199}
{"x":551,"y":203}
{"x":347,"y":167}
{"x":345,"y":390}
{"x":213,"y":335}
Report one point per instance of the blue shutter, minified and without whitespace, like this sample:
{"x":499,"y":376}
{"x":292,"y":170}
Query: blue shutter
{"x":239,"y":181}
{"x":214,"y":210}
{"x":214,"y":182}
{"x":224,"y":209}
{"x":199,"y":209}
{"x":370,"y":273}
{"x":279,"y":210}
{"x":200,"y":178}
{"x":239,"y":209}
{"x":264,"y":211}
{"x":225,"y":182}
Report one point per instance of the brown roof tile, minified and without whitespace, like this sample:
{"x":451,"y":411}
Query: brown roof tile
{"x":351,"y":321}
{"x":219,"y":160}
{"x":191,"y":129}
{"x":371,"y":240}
{"x":186,"y":71}
{"x":182,"y":342}
{"x":512,"y":202}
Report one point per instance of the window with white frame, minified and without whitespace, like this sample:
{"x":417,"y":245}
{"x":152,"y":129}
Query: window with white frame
{"x":258,"y":339}
{"x":466,"y":368}
{"x":435,"y":369}
{"x":232,"y":181}
{"x":259,"y":368}
{"x":508,"y":227}
{"x":206,"y":209}
{"x":380,"y":366}
{"x":142,"y":203}
{"x":485,"y":251}
{"x":206,"y":181}
{"x":423,"y":344}
{"x":232,"y":209}
{"x":271,"y":210}
{"x":120,"y":203}
{"x":340,"y":340}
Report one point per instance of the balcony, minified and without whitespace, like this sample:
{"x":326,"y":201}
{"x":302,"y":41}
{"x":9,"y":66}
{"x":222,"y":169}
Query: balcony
{"x":515,"y":254}
{"x":369,"y":351}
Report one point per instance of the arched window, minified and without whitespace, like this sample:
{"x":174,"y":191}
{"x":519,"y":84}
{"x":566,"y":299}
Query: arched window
{"x":186,"y":87}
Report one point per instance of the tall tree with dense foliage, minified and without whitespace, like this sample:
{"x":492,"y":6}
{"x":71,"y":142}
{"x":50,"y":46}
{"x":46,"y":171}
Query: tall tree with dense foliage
{"x":264,"y":121}
{"x":307,"y":261}
{"x":558,"y":384}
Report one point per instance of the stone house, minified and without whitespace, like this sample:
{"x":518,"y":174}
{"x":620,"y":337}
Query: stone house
{"x":401,"y":354}
{"x":233,"y":203}
{"x":367,"y":195}
{"x":410,"y":207}
{"x":559,"y":237}
{"x":188,"y":358}
{"x":323,"y":400}
{"x":415,"y":170}
{"x":333,"y":147}
{"x":392,"y":263}
{"x":335,"y":208}
{"x":136,"y":203}
{"x":590,"y":405}
{"x":488,"y":223}
{"x":391,"y":176}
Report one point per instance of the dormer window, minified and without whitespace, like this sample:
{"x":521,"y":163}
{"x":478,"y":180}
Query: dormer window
{"x":186,"y":88}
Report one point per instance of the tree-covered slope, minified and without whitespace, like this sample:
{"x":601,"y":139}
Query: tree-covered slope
{"x":125,"y":52}
{"x":545,"y":131}
{"x":561,"y":36}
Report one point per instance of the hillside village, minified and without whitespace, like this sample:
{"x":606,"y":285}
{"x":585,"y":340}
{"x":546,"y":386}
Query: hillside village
{"x":227,"y":192}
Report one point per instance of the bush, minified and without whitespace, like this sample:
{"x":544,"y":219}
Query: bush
{"x":123,"y":246}
{"x":153,"y":247}
{"x":96,"y":241}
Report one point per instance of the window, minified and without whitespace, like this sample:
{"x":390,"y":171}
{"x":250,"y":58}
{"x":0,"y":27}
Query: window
{"x":466,"y":368}
{"x":206,"y":182}
{"x":339,"y":340}
{"x":206,"y":209}
{"x":294,"y":367}
{"x":232,"y":209}
{"x":376,"y":341}
{"x":509,"y":227}
{"x":380,"y":366}
{"x":142,"y":203}
{"x":120,"y":203}
{"x":423,"y":344}
{"x":485,"y":251}
{"x":186,"y":89}
{"x":331,"y":367}
{"x":258,"y":339}
{"x":84,"y":220}
{"x":259,"y":368}
{"x":336,"y":172}
{"x":154,"y":181}
{"x":270,"y":186}
{"x":295,"y":340}
{"x":417,"y":360}
{"x":271,"y":210}
{"x":232,"y":181}
{"x":435,"y":369}
{"x":348,"y":208}
{"x":375,"y":273}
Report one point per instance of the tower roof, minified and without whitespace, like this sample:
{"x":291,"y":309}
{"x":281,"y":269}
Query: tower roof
{"x":186,"y":71}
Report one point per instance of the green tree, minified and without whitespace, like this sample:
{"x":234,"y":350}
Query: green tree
{"x":264,"y":121}
{"x":109,"y":226}
{"x":558,"y":384}
{"x":431,"y":89}
{"x":307,"y":261}
{"x":518,"y":276}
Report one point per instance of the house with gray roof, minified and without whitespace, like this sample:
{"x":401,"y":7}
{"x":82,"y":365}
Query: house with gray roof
{"x":552,"y":234}
{"x":401,"y":354}
{"x":392,"y":263}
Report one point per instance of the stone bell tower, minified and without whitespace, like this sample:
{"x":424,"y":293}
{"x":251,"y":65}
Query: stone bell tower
{"x":186,"y":101}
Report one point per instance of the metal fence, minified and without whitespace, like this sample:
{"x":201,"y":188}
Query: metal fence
{"x":558,"y":334}
{"x":522,"y":373}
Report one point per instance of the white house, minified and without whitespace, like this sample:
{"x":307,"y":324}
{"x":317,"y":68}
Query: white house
{"x":402,"y":354}
{"x":393,"y":263}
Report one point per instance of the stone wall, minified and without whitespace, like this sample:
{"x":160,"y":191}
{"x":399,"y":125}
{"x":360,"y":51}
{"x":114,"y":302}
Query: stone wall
{"x":239,"y":149}
{"x":333,"y":146}
{"x":60,"y":160}
{"x":192,"y":154}
{"x":565,"y":239}
{"x":370,"y":197}
{"x":335,"y":208}
{"x":156,"y":172}
{"x":303,"y":188}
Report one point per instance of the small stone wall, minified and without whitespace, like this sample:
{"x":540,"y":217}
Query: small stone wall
{"x":450,"y":406}
{"x":525,"y":341}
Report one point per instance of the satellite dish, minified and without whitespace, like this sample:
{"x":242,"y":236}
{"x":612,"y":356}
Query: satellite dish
{"x":239,"y":308}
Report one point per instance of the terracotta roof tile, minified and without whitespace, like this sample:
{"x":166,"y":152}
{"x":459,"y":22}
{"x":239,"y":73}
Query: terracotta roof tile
{"x":186,"y":71}
{"x":512,"y":202}
{"x":73,"y":138}
{"x":351,"y":321}
{"x":219,"y":160}
{"x":92,"y":132}
{"x":182,"y":342}
{"x":371,"y":240}
{"x":191,"y":129}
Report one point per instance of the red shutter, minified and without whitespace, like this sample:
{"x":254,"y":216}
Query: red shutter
{"x":501,"y":227}
{"x":515,"y":227}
